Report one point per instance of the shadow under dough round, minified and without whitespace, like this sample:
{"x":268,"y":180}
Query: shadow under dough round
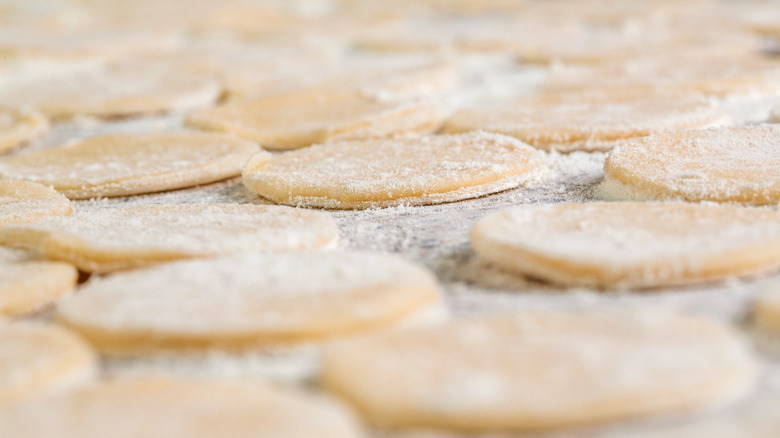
{"x":24,"y":202}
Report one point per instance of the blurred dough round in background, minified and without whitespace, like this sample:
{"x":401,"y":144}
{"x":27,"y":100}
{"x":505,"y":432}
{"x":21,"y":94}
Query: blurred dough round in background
{"x":169,"y":407}
{"x":27,"y":284}
{"x":389,"y":172}
{"x":24,"y":202}
{"x":112,"y":239}
{"x":248,"y":301}
{"x":38,"y":361}
{"x":128,"y":164}
{"x":774,"y":117}
{"x":766,"y":311}
{"x":18,"y":127}
{"x":538,"y":371}
{"x":295,"y":120}
{"x":630,"y":244}
{"x":729,"y":164}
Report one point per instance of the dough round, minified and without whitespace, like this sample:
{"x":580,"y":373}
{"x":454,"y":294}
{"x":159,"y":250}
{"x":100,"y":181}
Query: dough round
{"x":113,"y":239}
{"x":18,"y":127}
{"x":247,"y":301}
{"x":589,"y":122}
{"x":23,"y":202}
{"x":767,"y":310}
{"x":128,"y":164}
{"x":295,"y":120}
{"x":631,"y":245}
{"x":27,"y":284}
{"x":168,"y":407}
{"x":730,"y":164}
{"x":382,"y":173}
{"x":36,"y":360}
{"x":538,"y":371}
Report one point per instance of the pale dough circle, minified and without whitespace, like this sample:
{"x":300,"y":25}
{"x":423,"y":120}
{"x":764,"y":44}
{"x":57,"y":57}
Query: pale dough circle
{"x":730,"y":164}
{"x":37,"y":360}
{"x":631,"y":244}
{"x":18,"y":127}
{"x":24,"y":202}
{"x":388,"y":172}
{"x":27,"y":284}
{"x":248,"y":301}
{"x":587,"y":121}
{"x":169,"y":407}
{"x":766,"y":311}
{"x":538,"y":371}
{"x":294,"y":120}
{"x":111,"y":239}
{"x":128,"y":164}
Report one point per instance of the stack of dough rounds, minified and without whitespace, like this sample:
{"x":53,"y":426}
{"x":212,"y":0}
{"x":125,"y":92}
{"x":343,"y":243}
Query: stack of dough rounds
{"x":631,"y":245}
{"x":248,"y":301}
{"x":766,"y":313}
{"x":112,"y":239}
{"x":127,"y":164}
{"x":590,"y":122}
{"x":168,"y":407}
{"x":27,"y":284}
{"x":383,"y":173}
{"x":295,"y":120}
{"x":37,"y":360}
{"x":730,"y":164}
{"x":18,"y":127}
{"x":539,"y":371}
{"x":25,"y":202}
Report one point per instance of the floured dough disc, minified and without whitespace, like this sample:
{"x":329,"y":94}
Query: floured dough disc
{"x":128,"y":164}
{"x":112,"y":239}
{"x":248,"y":301}
{"x":538,"y":371}
{"x":767,"y":310}
{"x":24,"y":202}
{"x":587,"y":121}
{"x":631,"y":245}
{"x":383,"y":173}
{"x":27,"y":284}
{"x":37,"y":360}
{"x":299,"y":119}
{"x":168,"y":407}
{"x":18,"y":127}
{"x":731,"y":164}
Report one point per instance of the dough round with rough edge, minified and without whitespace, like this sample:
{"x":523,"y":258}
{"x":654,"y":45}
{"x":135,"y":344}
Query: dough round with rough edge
{"x":27,"y":284}
{"x":24,"y":202}
{"x":113,"y":239}
{"x":248,"y":301}
{"x":295,"y":120}
{"x":128,"y":164}
{"x":388,"y":172}
{"x":729,"y":164}
{"x":588,"y":122}
{"x":631,"y":244}
{"x":171,"y":407}
{"x":538,"y":371}
{"x":39,"y":360}
{"x":18,"y":127}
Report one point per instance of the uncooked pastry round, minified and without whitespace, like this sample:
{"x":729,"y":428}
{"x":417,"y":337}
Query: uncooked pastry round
{"x":24,"y":202}
{"x":538,"y":371}
{"x":388,"y":172}
{"x":18,"y":127}
{"x":631,"y":244}
{"x":168,"y":407}
{"x":27,"y":284}
{"x":128,"y":164}
{"x":731,"y":164}
{"x":111,"y":239}
{"x":38,"y":360}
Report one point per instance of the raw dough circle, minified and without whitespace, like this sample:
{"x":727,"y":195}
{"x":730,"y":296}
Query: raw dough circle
{"x":113,"y":239}
{"x":589,"y":122}
{"x":23,"y":202}
{"x":247,"y":301}
{"x":382,"y":173}
{"x":766,"y":312}
{"x":128,"y":164}
{"x":27,"y":284}
{"x":18,"y":127}
{"x":295,"y":120}
{"x":631,"y":244}
{"x":538,"y":371}
{"x":731,"y":164}
{"x":168,"y":407}
{"x":36,"y":360}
